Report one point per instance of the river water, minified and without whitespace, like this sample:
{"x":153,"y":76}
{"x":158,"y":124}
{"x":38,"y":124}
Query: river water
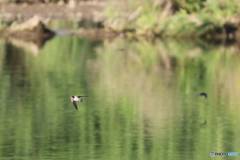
{"x":142,"y":102}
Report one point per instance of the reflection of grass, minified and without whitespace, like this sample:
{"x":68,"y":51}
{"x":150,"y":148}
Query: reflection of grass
{"x":44,"y":84}
{"x":162,"y":94}
{"x":139,"y":93}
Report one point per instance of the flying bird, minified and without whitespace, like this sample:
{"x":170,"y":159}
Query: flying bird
{"x":74,"y":99}
{"x":202,"y":94}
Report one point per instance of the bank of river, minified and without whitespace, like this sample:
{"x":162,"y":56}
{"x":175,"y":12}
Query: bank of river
{"x":95,"y":12}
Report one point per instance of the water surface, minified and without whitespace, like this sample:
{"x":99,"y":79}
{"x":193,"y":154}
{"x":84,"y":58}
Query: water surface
{"x":142,"y":103}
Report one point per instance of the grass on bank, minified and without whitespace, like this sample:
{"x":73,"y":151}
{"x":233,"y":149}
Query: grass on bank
{"x":172,"y":18}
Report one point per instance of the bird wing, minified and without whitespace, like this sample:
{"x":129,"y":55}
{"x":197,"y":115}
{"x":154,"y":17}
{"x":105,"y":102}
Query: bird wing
{"x":82,"y":96}
{"x":74,"y":104}
{"x":203,"y":94}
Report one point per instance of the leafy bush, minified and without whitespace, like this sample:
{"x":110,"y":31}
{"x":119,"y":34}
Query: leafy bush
{"x":189,"y":18}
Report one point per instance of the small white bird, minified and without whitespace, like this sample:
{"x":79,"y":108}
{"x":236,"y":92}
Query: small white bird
{"x":76,"y":98}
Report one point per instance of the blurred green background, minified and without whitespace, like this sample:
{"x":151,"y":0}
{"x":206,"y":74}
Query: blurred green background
{"x":142,"y":100}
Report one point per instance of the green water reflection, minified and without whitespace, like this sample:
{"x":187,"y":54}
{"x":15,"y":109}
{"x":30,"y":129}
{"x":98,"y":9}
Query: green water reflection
{"x":142,"y":102}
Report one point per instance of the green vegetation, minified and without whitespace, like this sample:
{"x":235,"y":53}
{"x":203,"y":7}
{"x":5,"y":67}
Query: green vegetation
{"x":177,"y":18}
{"x":141,"y":104}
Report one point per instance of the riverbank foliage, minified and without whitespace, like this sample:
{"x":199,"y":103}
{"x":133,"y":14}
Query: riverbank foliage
{"x":189,"y":18}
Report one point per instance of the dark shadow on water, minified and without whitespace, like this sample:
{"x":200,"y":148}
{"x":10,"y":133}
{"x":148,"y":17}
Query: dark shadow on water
{"x":33,"y":46}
